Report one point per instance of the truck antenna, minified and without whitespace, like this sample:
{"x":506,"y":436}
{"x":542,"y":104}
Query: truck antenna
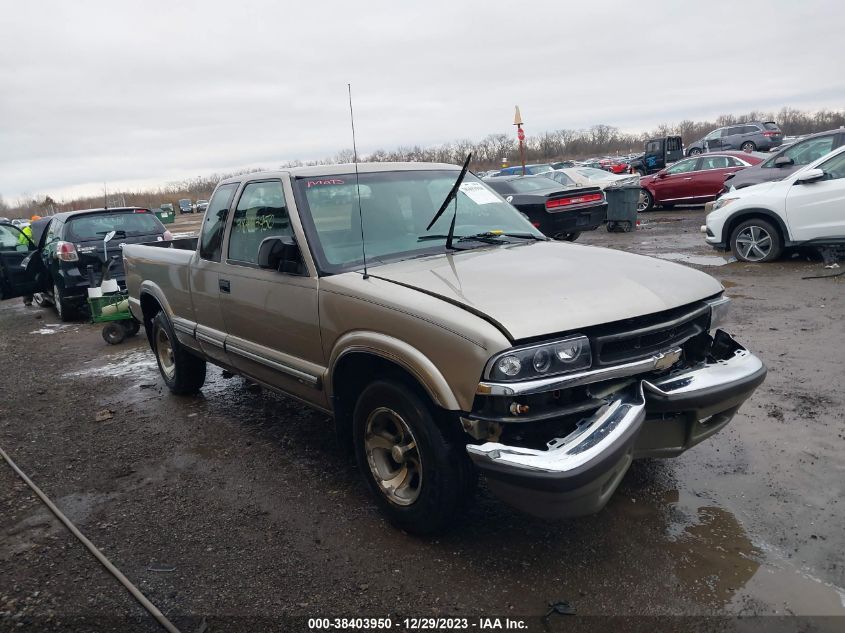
{"x":357,"y":186}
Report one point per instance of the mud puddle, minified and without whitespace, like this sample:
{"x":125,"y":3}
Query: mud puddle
{"x":727,"y":569}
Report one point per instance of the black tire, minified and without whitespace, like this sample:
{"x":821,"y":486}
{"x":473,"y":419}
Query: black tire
{"x":114,"y":333}
{"x":131,"y":326}
{"x":748,"y":146}
{"x":754,"y":229}
{"x":646,"y":201}
{"x":182,"y":372}
{"x":446,"y":477}
{"x":568,"y":237}
{"x":64,"y":311}
{"x":694,"y":151}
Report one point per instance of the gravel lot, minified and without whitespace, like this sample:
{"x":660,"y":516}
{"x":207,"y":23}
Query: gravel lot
{"x":237,"y":506}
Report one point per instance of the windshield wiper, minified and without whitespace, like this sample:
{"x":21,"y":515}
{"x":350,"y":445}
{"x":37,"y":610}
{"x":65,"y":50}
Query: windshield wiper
{"x":491,"y":235}
{"x":452,"y":195}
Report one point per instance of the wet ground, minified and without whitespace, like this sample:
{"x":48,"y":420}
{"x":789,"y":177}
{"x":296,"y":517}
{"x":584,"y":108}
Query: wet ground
{"x":236,"y":505}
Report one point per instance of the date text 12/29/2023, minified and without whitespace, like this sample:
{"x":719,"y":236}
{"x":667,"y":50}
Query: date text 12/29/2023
{"x":416,"y":624}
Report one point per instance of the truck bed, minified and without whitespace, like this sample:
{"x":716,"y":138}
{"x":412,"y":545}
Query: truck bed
{"x":162,"y":265}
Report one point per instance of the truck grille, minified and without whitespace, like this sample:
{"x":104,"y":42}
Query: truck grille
{"x":642,"y":337}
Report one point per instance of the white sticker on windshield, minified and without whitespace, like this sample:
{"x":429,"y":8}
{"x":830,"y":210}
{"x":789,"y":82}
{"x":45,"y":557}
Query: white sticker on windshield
{"x":478,"y":193}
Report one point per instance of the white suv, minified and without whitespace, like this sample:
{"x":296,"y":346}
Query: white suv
{"x":758,"y":222}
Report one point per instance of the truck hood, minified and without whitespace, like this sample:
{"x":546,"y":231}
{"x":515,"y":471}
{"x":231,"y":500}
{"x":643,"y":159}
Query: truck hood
{"x":545,"y":288}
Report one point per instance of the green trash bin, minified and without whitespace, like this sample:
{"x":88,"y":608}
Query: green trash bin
{"x":622,"y":208}
{"x":166,"y":217}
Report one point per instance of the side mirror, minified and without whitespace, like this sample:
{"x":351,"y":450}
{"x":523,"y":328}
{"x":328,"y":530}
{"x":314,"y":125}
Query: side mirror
{"x":661,"y":174}
{"x":811,"y":175}
{"x":783,"y":161}
{"x":280,"y":253}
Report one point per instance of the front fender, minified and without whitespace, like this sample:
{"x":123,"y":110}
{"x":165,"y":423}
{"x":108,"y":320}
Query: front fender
{"x":397,"y":351}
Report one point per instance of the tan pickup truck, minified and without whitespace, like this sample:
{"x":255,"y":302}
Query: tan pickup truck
{"x":470,"y":344}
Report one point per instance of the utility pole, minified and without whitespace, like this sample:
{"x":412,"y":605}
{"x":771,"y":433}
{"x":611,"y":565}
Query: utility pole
{"x":520,"y":134}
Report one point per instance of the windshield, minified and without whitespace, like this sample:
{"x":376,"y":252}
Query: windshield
{"x":595,"y":174}
{"x":95,"y":226}
{"x":396,"y":206}
{"x":522,"y":185}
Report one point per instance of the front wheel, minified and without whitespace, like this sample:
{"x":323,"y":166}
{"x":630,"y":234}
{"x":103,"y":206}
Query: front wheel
{"x":756,"y":241}
{"x":113,"y":333}
{"x":183,"y":373}
{"x":420,"y":478}
{"x":646,"y":201}
{"x":695,"y":151}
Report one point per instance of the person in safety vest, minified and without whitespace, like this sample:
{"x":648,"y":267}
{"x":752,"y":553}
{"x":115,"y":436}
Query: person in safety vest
{"x":26,"y":239}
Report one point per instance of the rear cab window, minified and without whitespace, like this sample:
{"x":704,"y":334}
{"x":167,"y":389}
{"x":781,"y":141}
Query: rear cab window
{"x":214,"y":223}
{"x":95,"y":226}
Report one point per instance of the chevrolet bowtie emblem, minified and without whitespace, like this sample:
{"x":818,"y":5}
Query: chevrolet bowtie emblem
{"x":665,"y":360}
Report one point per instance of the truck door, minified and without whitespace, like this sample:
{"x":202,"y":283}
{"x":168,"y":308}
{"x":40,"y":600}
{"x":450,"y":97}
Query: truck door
{"x":674,"y":150}
{"x":271,"y":317}
{"x":19,"y":263}
{"x":206,"y":287}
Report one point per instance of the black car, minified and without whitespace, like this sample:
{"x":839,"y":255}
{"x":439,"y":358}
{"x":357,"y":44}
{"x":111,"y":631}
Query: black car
{"x":15,"y":248}
{"x":186,"y":206}
{"x":559,"y":212}
{"x":787,"y":160}
{"x":72,"y":250}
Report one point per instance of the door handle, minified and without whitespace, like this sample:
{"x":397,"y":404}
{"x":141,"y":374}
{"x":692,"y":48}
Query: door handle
{"x":224,"y":285}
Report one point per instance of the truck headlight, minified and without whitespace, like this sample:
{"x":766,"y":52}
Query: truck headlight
{"x":545,"y":359}
{"x":720,"y":308}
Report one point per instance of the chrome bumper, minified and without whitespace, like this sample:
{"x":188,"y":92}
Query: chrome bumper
{"x":578,"y":473}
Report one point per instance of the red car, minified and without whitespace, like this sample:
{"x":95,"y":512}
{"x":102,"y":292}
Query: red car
{"x":692,"y":180}
{"x":613,"y":166}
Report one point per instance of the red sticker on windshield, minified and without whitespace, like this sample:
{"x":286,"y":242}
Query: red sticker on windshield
{"x":332,"y":181}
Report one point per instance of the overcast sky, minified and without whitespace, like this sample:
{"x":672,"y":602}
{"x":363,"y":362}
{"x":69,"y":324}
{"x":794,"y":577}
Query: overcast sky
{"x":146,"y":92}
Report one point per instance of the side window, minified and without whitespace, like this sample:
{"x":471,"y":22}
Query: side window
{"x":53,"y":232}
{"x":261,"y":213}
{"x":714,"y":134}
{"x":653,"y":147}
{"x":214,"y":223}
{"x":681,"y":167}
{"x":810,"y":150}
{"x":12,"y":239}
{"x":834,"y":168}
{"x":714,"y":162}
{"x":735,"y":162}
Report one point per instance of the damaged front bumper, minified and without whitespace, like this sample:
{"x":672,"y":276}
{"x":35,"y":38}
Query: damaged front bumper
{"x":653,"y":417}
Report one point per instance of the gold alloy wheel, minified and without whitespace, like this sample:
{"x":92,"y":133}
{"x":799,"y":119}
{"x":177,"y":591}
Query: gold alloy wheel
{"x":393,"y":456}
{"x":164,"y":352}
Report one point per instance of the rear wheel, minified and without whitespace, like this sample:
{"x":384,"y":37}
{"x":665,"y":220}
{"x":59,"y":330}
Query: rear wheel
{"x":695,"y":151}
{"x":132,"y":327}
{"x":421,"y":479}
{"x":568,"y":237}
{"x":646,"y":201}
{"x":748,"y":146}
{"x":182,"y":372}
{"x":756,"y":240}
{"x":64,"y":311}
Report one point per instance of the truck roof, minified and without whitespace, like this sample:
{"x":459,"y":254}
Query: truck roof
{"x":343,"y":168}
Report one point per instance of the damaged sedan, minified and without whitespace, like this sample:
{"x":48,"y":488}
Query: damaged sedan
{"x":445,"y":334}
